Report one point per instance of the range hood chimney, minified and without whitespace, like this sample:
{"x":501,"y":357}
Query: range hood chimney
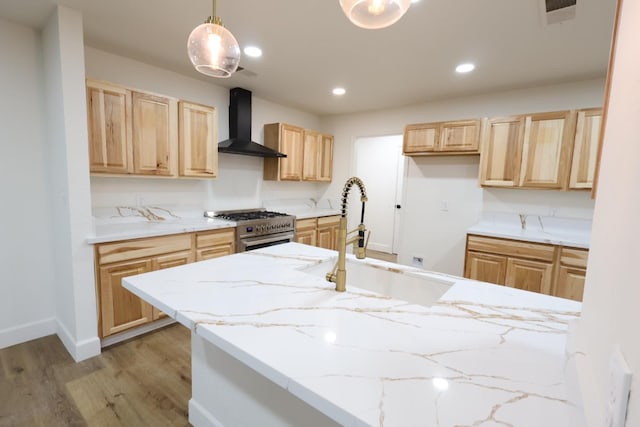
{"x":239,"y":141}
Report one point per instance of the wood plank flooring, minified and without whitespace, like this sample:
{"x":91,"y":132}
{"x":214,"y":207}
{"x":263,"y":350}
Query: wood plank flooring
{"x":142,"y":382}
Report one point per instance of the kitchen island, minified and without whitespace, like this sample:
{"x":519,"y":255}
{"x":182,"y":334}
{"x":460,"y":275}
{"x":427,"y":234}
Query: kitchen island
{"x":274,"y":345}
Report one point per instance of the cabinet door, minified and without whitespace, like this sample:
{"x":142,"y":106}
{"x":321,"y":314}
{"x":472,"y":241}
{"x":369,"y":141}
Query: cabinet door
{"x":215,"y":244}
{"x":502,"y":140}
{"x":420,"y":138}
{"x":325,"y":159}
{"x":570,"y":283}
{"x":328,"y":232}
{"x":119,"y":308}
{"x":534,"y":276}
{"x":546,"y":150}
{"x":291,"y":144}
{"x":585,"y":148}
{"x":109,"y":125}
{"x":310,"y":163}
{"x":306,"y":231}
{"x":485,"y":267}
{"x":155,"y":134}
{"x":168,"y":261}
{"x":460,"y":136}
{"x":198,"y":140}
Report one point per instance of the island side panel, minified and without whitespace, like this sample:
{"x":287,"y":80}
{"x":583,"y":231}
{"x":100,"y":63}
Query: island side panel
{"x":225,"y":393}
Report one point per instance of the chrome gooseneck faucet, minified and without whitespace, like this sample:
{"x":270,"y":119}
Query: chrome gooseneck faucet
{"x":339,"y":273}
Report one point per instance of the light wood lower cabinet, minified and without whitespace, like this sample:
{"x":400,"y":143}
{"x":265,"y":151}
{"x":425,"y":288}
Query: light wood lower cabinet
{"x":548,"y":269}
{"x":119,"y":309}
{"x":321,"y":232}
{"x":215,"y":243}
{"x":306,"y":231}
{"x":328,"y":232}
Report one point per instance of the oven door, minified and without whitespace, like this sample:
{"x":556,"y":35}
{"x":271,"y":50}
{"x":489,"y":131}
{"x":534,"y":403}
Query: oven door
{"x":250,"y":243}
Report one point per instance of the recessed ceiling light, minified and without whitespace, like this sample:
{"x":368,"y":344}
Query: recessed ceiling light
{"x":465,"y":68}
{"x":415,"y":1}
{"x":339,"y":91}
{"x":253,"y":51}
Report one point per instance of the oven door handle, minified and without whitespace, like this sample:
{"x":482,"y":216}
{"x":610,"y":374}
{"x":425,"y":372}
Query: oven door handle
{"x":247,"y":242}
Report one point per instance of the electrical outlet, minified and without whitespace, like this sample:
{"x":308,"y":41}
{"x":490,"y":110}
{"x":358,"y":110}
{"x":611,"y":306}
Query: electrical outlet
{"x":619,"y":388}
{"x":417,"y":261}
{"x":444,"y":206}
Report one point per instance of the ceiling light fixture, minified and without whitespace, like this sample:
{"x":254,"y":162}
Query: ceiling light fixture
{"x":212,"y":48}
{"x":374,"y":14}
{"x":465,"y":68}
{"x":253,"y":51}
{"x":339,"y":91}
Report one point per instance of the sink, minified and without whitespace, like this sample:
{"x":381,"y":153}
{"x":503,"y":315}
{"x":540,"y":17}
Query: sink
{"x":398,"y":282}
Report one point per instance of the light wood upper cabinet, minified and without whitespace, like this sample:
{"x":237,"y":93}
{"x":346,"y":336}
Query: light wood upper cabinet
{"x":155,"y":134}
{"x":309,"y":154}
{"x":288,"y":140}
{"x":458,"y":137}
{"x":421,"y":138}
{"x":547,"y":149}
{"x":109,"y":125}
{"x":502,"y":140}
{"x":317,"y":162}
{"x":529,"y":151}
{"x":325,"y":159}
{"x":198,"y":148}
{"x":585,"y":148}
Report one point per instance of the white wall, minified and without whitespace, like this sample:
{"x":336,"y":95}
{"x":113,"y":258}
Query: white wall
{"x":454,"y":179}
{"x":70,"y":199}
{"x":27,"y":309}
{"x":610,"y":313}
{"x":239,"y":184}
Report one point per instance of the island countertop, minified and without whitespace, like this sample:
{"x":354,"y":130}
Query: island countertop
{"x":481,"y":355}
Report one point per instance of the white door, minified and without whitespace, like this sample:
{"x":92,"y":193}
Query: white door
{"x":380,"y":165}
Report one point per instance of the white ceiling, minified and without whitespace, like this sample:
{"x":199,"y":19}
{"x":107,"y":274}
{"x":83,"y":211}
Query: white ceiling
{"x":310,"y":47}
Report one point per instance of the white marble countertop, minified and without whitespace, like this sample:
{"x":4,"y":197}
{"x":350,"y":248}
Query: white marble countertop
{"x":124,"y":222}
{"x":556,"y":231}
{"x":304,"y":208}
{"x":482,"y":355}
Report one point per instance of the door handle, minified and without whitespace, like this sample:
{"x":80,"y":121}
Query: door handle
{"x":398,"y":206}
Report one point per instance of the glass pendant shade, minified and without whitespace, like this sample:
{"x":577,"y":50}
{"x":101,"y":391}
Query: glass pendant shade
{"x":213,"y":50}
{"x":374,"y":14}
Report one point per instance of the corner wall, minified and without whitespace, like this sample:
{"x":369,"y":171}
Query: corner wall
{"x":27,"y":307}
{"x":610,"y":314}
{"x":70,"y":199}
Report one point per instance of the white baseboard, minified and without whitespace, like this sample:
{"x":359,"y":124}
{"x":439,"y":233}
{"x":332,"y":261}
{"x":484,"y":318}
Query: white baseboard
{"x":200,"y":417}
{"x":79,"y":350}
{"x":27,"y":332}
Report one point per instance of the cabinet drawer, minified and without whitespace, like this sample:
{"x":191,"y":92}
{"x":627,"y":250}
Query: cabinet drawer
{"x":574,"y":257}
{"x":138,"y":248}
{"x":215,"y":238}
{"x":328,"y":221}
{"x":305,"y":224}
{"x":510,"y":247}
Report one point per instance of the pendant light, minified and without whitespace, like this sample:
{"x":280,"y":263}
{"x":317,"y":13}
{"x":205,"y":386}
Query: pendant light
{"x":374,"y":14}
{"x":212,"y":48}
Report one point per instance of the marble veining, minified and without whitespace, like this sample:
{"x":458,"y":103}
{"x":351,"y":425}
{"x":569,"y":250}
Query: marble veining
{"x":481,"y":355}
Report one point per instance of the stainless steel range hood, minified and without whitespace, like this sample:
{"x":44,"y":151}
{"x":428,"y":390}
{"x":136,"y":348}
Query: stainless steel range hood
{"x":239,"y":141}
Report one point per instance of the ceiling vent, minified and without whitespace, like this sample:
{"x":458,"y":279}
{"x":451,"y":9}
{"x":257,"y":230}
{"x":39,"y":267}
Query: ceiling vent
{"x":556,"y":11}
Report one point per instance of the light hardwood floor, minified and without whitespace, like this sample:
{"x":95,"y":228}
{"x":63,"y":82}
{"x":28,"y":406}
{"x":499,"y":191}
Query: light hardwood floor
{"x":382,"y":256}
{"x":142,"y":382}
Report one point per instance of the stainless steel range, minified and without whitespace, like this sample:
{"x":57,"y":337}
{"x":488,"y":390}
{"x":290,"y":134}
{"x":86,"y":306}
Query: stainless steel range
{"x":258,"y":228}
